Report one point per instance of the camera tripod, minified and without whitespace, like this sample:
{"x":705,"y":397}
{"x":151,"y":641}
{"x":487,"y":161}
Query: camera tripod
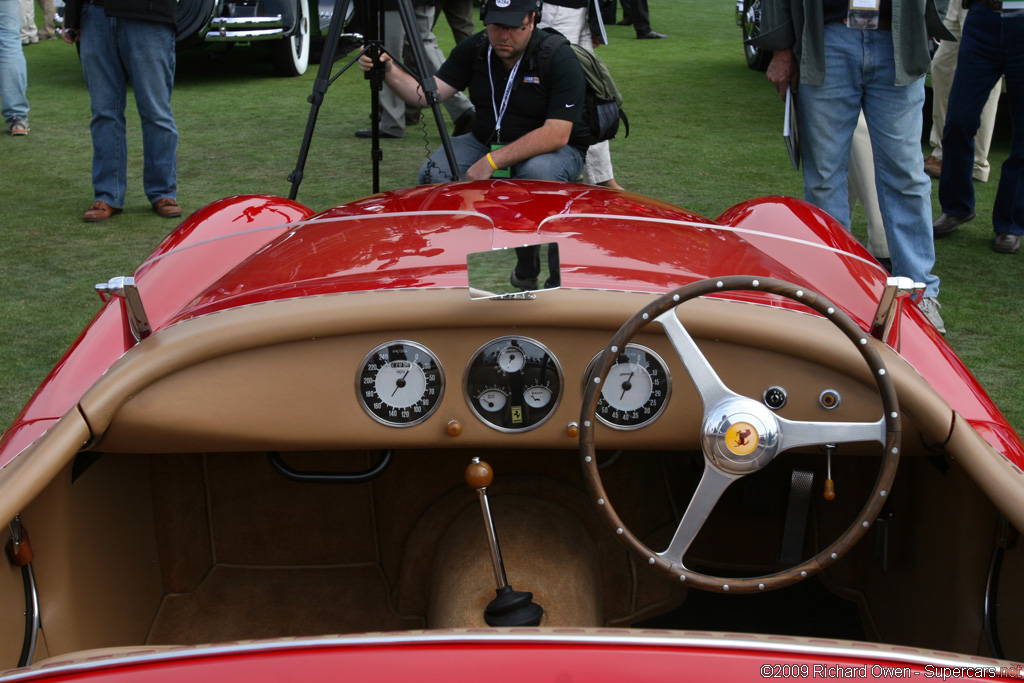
{"x":374,"y":47}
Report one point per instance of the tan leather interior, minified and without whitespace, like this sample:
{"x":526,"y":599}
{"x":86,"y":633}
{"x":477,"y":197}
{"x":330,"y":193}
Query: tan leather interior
{"x":180,"y":532}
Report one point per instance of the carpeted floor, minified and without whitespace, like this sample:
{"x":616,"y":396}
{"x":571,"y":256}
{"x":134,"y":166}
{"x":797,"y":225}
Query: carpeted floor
{"x":240,"y":603}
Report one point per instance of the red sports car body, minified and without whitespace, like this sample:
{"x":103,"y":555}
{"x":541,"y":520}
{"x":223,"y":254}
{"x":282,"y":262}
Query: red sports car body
{"x":313,"y":445}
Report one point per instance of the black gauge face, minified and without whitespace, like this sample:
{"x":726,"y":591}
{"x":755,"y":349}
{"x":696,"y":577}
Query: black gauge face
{"x":400,"y":383}
{"x":636,"y":390}
{"x":513,"y":384}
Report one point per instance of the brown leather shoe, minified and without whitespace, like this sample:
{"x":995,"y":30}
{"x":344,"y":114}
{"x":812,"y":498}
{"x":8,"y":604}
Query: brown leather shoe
{"x":947,"y":225}
{"x":99,"y":211}
{"x":167,"y":208}
{"x":933,"y":166}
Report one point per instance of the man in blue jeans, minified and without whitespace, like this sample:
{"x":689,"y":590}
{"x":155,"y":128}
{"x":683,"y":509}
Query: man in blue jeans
{"x":13,"y":72}
{"x":839,"y":60}
{"x":122,"y":41}
{"x":992,"y":46}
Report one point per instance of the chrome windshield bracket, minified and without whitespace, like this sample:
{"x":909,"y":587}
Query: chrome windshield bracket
{"x":16,"y":536}
{"x":885,"y":324}
{"x":124,"y":287}
{"x":20,"y":554}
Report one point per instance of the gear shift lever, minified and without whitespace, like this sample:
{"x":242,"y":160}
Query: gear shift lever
{"x":510,"y":607}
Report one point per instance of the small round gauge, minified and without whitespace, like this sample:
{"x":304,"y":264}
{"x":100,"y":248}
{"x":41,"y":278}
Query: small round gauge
{"x":513,"y":384}
{"x":400,"y":383}
{"x":537,"y":397}
{"x":511,"y":359}
{"x":636,"y":390}
{"x":492,"y":400}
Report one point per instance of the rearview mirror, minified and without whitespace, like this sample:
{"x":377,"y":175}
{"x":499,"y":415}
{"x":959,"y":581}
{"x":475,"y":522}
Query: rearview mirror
{"x":513,"y":273}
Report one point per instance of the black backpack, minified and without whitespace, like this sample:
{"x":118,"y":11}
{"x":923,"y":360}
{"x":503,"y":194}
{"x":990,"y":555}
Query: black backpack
{"x":603,"y":101}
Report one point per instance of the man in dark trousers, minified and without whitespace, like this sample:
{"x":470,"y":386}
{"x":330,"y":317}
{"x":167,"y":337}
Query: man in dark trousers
{"x":992,"y":45}
{"x":122,"y":41}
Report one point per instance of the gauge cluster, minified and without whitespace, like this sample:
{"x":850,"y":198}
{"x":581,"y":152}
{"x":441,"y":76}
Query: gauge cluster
{"x":511,"y":384}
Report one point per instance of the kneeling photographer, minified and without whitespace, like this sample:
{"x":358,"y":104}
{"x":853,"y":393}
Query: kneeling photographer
{"x":529,"y":101}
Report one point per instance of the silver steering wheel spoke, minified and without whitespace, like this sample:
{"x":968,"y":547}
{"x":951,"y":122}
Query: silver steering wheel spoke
{"x":712,"y":485}
{"x":795,"y":433}
{"x":705,"y":379}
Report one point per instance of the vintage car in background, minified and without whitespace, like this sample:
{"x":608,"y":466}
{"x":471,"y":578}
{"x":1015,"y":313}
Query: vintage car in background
{"x":312,"y":445}
{"x":291,"y":24}
{"x":290,"y":31}
{"x":748,"y":17}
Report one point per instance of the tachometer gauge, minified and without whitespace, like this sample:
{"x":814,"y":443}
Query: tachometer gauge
{"x":400,"y":383}
{"x":636,"y":389}
{"x":513,"y":384}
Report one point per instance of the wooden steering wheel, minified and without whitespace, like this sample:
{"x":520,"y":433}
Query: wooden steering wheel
{"x":730,"y":450}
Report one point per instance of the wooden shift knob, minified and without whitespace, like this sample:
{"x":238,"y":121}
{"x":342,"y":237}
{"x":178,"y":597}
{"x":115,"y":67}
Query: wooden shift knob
{"x":479,"y":474}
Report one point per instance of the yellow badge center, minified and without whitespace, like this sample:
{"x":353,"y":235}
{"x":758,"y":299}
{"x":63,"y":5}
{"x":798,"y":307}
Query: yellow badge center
{"x":741,"y":438}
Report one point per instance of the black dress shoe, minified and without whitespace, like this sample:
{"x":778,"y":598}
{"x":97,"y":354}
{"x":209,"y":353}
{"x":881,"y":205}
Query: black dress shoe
{"x":626,"y":20}
{"x":1005,"y":243}
{"x":946,"y":224}
{"x":368,"y":133}
{"x":650,"y":35}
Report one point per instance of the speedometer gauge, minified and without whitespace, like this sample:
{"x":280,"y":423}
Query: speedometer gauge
{"x":513,"y":384}
{"x":400,"y":383}
{"x":636,"y":390}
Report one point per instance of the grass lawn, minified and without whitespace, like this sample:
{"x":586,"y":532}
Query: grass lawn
{"x":706,"y":134}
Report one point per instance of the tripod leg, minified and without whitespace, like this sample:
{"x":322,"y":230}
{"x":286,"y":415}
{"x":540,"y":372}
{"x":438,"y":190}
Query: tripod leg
{"x":373,"y":27}
{"x":320,"y":85}
{"x":427,"y":82}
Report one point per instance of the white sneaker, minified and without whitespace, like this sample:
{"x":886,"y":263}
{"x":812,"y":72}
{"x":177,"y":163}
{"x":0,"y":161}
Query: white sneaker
{"x":930,"y":307}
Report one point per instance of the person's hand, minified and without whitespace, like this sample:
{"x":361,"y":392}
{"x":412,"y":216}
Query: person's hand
{"x":69,"y":35}
{"x":366,"y":62}
{"x":782,"y":71}
{"x":481,"y":170}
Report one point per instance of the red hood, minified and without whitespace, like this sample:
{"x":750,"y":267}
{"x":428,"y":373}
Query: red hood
{"x":419,"y":237}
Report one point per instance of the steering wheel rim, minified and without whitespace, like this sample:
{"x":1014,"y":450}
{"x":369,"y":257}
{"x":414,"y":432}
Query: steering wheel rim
{"x":770,"y":435}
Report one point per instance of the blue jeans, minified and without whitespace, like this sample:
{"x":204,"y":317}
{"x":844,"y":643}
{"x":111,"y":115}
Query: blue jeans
{"x":860,"y":73}
{"x":565,"y":164}
{"x":991,"y":47}
{"x":114,"y":52}
{"x":13,"y":73}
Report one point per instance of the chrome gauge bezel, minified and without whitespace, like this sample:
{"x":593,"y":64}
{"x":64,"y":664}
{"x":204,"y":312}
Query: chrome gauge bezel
{"x":661,"y":401}
{"x":417,"y":411}
{"x":488,"y":371}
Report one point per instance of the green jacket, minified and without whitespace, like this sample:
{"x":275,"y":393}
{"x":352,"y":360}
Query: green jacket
{"x":800,"y":25}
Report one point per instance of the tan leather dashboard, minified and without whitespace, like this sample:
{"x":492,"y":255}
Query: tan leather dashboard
{"x":285,"y":375}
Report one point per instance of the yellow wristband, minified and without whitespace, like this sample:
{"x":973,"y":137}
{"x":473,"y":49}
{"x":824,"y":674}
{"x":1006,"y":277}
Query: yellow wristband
{"x":491,"y":162}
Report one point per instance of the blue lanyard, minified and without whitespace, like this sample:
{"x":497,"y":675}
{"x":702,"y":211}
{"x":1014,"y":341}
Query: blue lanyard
{"x":499,"y":113}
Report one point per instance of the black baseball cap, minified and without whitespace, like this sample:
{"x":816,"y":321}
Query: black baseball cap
{"x":508,"y":12}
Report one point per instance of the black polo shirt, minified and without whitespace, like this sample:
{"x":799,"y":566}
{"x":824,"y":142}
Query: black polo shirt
{"x":532,"y":100}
